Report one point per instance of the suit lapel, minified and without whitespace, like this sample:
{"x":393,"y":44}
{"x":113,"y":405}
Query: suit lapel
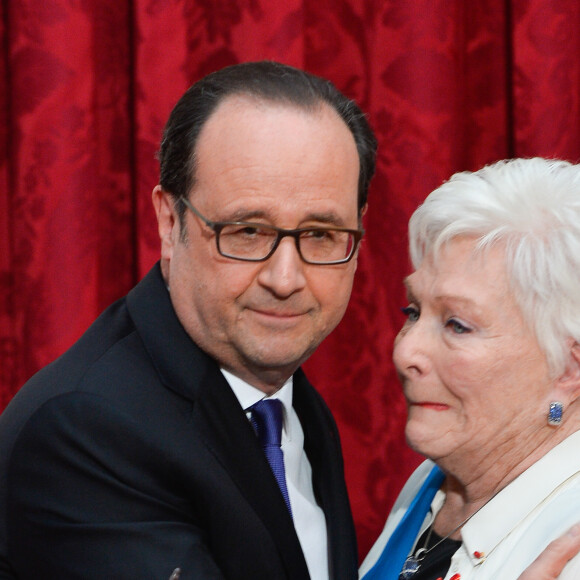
{"x":322,"y":445}
{"x":217,"y":417}
{"x":227,"y":432}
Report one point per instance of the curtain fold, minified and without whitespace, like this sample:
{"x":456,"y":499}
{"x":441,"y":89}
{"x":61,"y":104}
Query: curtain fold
{"x":86,"y":86}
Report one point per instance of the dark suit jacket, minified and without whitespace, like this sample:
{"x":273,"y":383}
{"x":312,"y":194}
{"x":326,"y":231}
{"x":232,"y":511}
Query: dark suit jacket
{"x":130,"y":456}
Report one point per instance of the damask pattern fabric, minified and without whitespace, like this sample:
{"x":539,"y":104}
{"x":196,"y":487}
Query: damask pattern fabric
{"x":87,"y":85}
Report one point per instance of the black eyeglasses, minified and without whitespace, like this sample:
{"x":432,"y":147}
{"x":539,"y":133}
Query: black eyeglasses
{"x":254,"y":242}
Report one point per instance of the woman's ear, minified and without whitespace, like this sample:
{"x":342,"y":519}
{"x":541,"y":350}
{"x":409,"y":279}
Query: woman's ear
{"x":569,"y":381}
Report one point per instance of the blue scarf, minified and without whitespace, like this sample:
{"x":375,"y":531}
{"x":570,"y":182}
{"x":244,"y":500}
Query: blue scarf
{"x":390,"y":562}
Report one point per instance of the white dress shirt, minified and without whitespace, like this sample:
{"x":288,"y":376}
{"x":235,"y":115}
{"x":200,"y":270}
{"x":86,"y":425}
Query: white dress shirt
{"x":505,"y":536}
{"x":309,"y":520}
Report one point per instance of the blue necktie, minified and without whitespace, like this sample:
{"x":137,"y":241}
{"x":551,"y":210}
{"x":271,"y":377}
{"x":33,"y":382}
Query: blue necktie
{"x":267,"y":421}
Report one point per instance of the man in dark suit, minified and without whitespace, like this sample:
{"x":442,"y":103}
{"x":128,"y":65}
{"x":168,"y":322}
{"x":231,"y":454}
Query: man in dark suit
{"x":133,"y":456}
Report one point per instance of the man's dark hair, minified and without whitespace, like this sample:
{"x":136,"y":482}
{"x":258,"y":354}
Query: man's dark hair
{"x":267,"y":81}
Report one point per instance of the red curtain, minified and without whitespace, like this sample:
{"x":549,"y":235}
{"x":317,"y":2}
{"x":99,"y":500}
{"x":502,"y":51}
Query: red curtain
{"x":86,"y":86}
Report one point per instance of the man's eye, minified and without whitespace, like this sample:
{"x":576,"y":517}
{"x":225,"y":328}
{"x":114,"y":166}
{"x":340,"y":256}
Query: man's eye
{"x":248,"y":231}
{"x":320,"y":235}
{"x":244,"y":231}
{"x":411,"y":313}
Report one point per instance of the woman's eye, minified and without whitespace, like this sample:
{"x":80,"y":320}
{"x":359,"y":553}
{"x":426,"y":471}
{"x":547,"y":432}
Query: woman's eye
{"x":411,"y":313}
{"x":457,"y":327}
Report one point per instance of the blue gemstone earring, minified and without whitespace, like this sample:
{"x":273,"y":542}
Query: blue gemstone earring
{"x":555,"y":413}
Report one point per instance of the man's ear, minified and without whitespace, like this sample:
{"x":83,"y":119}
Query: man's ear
{"x":569,"y":381}
{"x":167,"y":221}
{"x":363,"y":210}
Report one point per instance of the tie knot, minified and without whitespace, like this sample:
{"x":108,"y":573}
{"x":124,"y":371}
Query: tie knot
{"x":267,"y":419}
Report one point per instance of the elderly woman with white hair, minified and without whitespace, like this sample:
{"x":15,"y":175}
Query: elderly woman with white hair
{"x":489,"y":360}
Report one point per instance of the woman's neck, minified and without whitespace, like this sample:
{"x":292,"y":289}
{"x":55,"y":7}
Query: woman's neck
{"x":472,"y":482}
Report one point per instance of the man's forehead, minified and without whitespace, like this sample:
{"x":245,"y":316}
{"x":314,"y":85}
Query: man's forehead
{"x":263,"y":124}
{"x":240,"y":104}
{"x":248,"y":99}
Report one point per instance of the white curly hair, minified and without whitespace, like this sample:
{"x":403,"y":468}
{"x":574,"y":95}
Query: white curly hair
{"x":532,"y":207}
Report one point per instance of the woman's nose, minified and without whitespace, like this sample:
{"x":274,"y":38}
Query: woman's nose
{"x":411,"y":352}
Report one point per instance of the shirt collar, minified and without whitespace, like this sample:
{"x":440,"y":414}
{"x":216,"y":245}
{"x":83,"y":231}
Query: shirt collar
{"x":249,"y":395}
{"x":492,"y":523}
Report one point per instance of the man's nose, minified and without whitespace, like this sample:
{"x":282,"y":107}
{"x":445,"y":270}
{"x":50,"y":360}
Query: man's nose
{"x":283,"y":272}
